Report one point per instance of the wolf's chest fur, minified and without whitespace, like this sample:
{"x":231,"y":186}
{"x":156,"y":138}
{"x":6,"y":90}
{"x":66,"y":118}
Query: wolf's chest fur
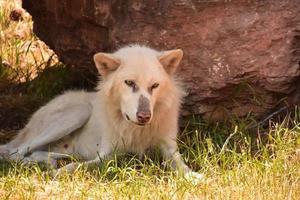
{"x":137,"y":139}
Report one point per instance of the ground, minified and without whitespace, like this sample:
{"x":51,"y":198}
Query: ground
{"x":239,"y":159}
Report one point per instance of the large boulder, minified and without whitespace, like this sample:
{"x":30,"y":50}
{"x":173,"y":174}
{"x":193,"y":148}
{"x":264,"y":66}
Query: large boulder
{"x":240,"y":56}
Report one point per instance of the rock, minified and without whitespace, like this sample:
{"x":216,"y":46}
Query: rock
{"x":240,"y":56}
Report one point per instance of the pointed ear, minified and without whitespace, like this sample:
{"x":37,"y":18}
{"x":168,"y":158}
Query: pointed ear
{"x":170,"y":60}
{"x":106,"y":63}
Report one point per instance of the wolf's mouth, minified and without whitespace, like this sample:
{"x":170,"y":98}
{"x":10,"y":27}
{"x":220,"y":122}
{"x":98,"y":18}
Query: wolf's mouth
{"x":136,"y":123}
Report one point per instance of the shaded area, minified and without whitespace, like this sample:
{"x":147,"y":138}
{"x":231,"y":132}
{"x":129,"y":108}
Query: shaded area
{"x":19,"y":100}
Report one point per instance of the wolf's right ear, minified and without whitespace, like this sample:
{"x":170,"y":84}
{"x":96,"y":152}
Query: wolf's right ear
{"x":106,"y":63}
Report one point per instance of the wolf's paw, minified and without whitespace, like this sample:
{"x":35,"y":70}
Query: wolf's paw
{"x":194,"y":177}
{"x":64,"y":170}
{"x":54,"y":173}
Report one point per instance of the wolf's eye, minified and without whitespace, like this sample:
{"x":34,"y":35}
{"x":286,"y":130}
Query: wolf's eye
{"x":130,"y":83}
{"x":155,"y":85}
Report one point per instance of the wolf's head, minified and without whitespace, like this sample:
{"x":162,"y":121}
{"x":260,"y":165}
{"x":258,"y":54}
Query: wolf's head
{"x":139,"y":80}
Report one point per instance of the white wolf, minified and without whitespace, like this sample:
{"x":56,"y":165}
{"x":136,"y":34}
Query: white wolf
{"x":136,"y":107}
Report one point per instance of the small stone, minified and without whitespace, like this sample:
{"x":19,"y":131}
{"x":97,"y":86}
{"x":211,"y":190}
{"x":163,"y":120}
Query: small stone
{"x":16,"y":15}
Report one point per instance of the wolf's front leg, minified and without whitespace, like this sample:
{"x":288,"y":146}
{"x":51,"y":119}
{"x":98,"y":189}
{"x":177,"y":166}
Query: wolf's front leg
{"x":69,"y":168}
{"x":50,"y":158}
{"x":171,"y":153}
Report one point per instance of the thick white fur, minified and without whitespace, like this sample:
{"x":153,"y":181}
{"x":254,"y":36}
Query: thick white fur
{"x":91,"y":125}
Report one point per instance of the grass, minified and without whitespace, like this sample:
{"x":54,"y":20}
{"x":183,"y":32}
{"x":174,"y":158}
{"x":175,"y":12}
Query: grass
{"x":238,"y":161}
{"x":237,"y":164}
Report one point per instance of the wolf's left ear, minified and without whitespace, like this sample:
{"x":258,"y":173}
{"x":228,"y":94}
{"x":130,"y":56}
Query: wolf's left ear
{"x":106,"y":63}
{"x":170,"y":60}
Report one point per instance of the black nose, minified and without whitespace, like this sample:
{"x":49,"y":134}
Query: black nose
{"x":143,"y":116}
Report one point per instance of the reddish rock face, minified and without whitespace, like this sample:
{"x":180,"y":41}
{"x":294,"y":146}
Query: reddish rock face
{"x":240,"y":56}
